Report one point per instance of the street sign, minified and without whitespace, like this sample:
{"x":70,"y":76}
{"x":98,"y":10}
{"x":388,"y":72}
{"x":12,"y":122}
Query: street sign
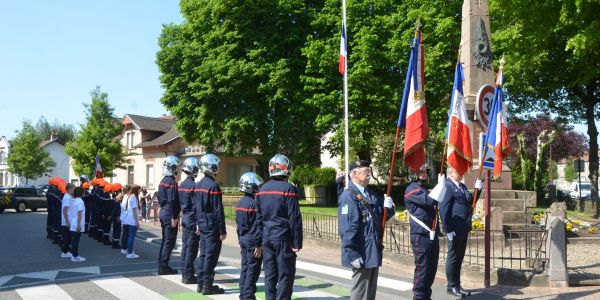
{"x":483,"y":104}
{"x":488,"y":162}
{"x":579,"y":165}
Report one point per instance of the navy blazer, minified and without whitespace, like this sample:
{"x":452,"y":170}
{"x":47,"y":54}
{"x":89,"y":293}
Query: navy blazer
{"x":423,"y":207}
{"x":456,"y":210}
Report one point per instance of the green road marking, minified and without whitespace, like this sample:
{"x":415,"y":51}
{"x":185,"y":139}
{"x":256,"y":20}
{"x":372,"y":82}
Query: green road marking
{"x":187,"y":296}
{"x":321,"y":286}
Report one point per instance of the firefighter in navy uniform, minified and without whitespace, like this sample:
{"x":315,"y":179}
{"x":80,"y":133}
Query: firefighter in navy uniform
{"x":106,"y":206}
{"x":282,"y":229}
{"x":168,"y":197}
{"x":190,"y":234}
{"x":211,"y":223}
{"x":52,"y":197}
{"x":95,"y":230}
{"x":85,"y":184}
{"x":117,"y":189}
{"x":424,"y":231}
{"x":249,"y":231}
{"x":360,"y":212}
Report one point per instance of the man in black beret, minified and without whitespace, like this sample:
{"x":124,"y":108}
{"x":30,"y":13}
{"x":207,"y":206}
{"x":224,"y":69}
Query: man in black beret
{"x":360,"y":212}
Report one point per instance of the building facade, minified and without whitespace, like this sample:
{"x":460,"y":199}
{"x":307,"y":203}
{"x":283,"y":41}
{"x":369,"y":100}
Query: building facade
{"x":6,"y":178}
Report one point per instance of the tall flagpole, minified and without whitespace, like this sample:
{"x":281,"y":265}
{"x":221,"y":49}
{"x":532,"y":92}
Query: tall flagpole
{"x":346,"y":128}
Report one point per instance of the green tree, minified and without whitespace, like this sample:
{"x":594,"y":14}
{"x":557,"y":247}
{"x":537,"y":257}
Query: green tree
{"x":97,"y":136}
{"x":570,"y":173}
{"x":26,"y":157}
{"x":379,"y":38}
{"x":56,"y":130}
{"x":551,"y":49}
{"x":231,"y":77}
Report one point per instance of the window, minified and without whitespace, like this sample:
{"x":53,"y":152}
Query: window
{"x":150,"y":177}
{"x":132,"y":140}
{"x":130,"y":175}
{"x":2,"y":158}
{"x":127,"y":138}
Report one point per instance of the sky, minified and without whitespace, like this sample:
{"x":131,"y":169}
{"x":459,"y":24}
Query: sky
{"x":53,"y":53}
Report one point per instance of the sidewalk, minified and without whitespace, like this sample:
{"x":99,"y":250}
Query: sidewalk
{"x":328,"y":254}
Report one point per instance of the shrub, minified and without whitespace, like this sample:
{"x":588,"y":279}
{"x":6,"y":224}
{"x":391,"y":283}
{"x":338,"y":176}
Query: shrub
{"x":307,"y":175}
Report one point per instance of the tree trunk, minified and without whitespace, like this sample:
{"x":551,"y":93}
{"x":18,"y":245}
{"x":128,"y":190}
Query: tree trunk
{"x":593,"y":152}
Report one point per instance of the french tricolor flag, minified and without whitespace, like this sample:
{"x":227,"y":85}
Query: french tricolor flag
{"x":458,"y":132}
{"x":413,"y":111}
{"x":497,"y":143}
{"x":343,"y":51}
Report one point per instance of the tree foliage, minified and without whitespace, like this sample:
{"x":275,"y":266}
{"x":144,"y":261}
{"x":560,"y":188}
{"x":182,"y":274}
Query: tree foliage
{"x":56,"y":130}
{"x":231,"y":77}
{"x":570,"y":173}
{"x":97,"y":136}
{"x":26,"y":157}
{"x":551,"y":49}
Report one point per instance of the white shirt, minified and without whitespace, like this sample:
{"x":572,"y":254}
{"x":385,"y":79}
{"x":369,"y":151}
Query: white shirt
{"x":77,"y":206}
{"x":129,"y":204}
{"x":123,"y":208}
{"x":66,"y":202}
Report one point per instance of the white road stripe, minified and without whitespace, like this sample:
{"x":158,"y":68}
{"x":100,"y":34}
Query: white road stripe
{"x":125,"y":288}
{"x":43,"y":292}
{"x":346,"y":274}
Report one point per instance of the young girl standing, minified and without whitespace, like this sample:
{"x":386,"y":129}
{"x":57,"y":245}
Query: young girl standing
{"x":131,"y":220}
{"x":77,"y":222}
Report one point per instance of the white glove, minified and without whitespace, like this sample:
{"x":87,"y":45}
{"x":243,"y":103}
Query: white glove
{"x":450,"y":235}
{"x":357,"y":263}
{"x":478,"y":184}
{"x":441,"y":178}
{"x":388,"y":202}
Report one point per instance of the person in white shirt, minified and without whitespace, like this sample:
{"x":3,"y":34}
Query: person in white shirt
{"x":77,"y":223}
{"x":122,"y":199}
{"x":131,"y":220}
{"x":64,"y":221}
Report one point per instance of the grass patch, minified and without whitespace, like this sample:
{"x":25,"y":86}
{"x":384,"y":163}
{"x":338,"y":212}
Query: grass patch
{"x":186,"y":296}
{"x":324,"y":210}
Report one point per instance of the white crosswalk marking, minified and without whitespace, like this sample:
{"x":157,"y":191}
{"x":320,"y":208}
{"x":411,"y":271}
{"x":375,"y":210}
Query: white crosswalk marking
{"x":125,"y":288}
{"x":177,"y":280}
{"x":43,"y":292}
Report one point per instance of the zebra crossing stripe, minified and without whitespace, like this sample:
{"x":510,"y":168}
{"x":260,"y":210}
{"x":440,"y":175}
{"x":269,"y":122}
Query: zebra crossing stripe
{"x":43,"y":292}
{"x":346,"y":274}
{"x":125,"y":288}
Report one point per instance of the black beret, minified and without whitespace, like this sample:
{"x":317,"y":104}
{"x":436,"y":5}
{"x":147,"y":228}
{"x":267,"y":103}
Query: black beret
{"x":359,"y":164}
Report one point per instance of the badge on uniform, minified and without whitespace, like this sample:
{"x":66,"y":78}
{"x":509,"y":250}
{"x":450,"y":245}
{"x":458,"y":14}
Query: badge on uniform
{"x":345,"y":209}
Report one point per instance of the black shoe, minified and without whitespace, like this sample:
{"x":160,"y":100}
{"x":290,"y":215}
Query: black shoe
{"x":454,"y":291}
{"x":167,"y":271}
{"x":115,"y":245}
{"x":212,"y":290}
{"x":463,"y":291}
{"x":199,"y":288}
{"x":192,"y":280}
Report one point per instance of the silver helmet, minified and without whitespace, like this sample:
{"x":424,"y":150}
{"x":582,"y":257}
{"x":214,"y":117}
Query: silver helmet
{"x":414,"y":175}
{"x":209,"y":164}
{"x":170,"y":165}
{"x":280,"y":165}
{"x":191,"y":166}
{"x":250,"y":182}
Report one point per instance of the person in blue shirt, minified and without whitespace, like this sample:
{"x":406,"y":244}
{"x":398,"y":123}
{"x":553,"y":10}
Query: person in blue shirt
{"x":282,"y":229}
{"x":249,"y":232}
{"x":456,"y":212}
{"x":424,"y":231}
{"x":168,"y":197}
{"x":360,"y":212}
{"x":190,"y":235}
{"x":210,"y":217}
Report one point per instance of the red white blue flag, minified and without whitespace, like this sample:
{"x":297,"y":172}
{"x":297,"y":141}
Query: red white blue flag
{"x":343,"y":51}
{"x":458,"y":132}
{"x":413,"y":110}
{"x":98,"y":168}
{"x":497,"y":143}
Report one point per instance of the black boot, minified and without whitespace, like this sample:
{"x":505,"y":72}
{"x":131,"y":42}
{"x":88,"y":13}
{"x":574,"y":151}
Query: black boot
{"x":212,"y":290}
{"x":199,"y":288}
{"x":115,"y":245}
{"x":463,"y":291}
{"x":106,"y":240}
{"x":454,"y":291}
{"x":167,"y":271}
{"x":191,"y":280}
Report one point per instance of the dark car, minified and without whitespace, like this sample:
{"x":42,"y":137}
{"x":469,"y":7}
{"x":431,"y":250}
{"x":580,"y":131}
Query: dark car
{"x":22,"y":198}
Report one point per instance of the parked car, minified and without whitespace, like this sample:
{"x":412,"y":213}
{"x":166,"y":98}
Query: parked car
{"x":586,"y":190}
{"x":22,"y":198}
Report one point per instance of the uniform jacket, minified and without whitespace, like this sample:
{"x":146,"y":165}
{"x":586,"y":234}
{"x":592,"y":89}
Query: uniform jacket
{"x":455,"y":210}
{"x":420,"y":205}
{"x":360,"y":237}
{"x":278,"y":205}
{"x":208,"y":201}
{"x":168,"y":197}
{"x":116,"y":211}
{"x":249,"y":221}
{"x":186,"y":193}
{"x":96,"y":201}
{"x":106,"y":203}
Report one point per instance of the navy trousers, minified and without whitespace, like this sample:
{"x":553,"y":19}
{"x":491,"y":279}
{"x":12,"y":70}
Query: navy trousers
{"x":210,"y":249}
{"x":426,"y":253}
{"x":169,"y":237}
{"x":116,"y":234}
{"x":279,"y":264}
{"x":124,"y":237}
{"x":456,"y":254}
{"x":250,"y":271}
{"x":75,"y":236}
{"x":66,"y":239}
{"x":189,"y":251}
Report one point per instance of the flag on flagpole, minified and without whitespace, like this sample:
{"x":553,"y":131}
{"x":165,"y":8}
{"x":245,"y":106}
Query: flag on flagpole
{"x":497,"y":136}
{"x":413,"y":110}
{"x":98,"y":168}
{"x":458,"y":132}
{"x":343,"y":50}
